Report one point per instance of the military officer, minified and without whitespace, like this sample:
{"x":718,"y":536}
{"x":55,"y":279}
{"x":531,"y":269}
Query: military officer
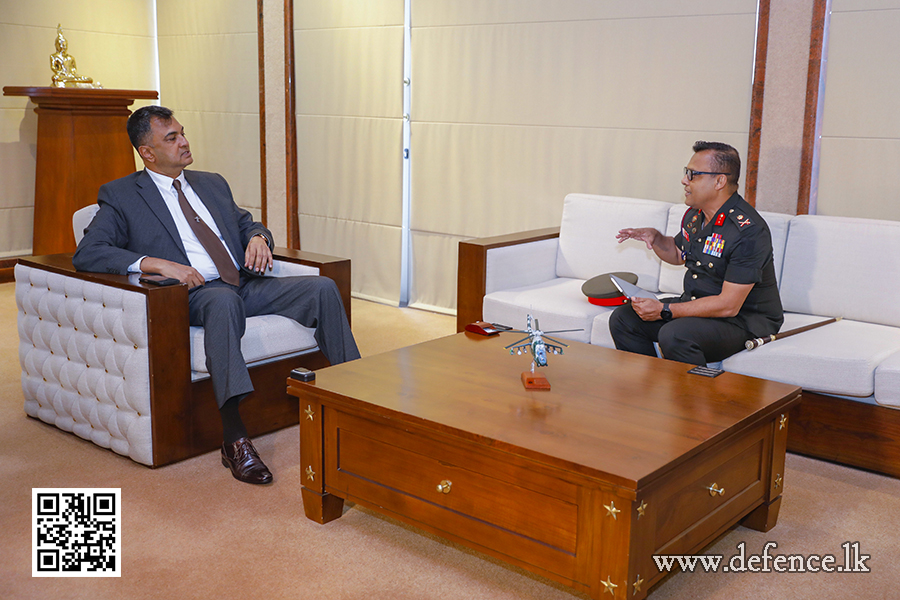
{"x":730,"y":292}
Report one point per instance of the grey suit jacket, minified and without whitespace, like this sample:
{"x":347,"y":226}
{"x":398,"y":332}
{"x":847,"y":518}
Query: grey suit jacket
{"x":133,"y":221}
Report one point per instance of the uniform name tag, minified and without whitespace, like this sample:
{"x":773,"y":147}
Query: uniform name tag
{"x":714,"y":245}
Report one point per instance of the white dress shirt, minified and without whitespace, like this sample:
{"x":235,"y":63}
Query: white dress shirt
{"x":197,"y":254}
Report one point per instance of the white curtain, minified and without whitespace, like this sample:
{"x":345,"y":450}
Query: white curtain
{"x":860,"y":144}
{"x":209,"y":75}
{"x":514,"y":105}
{"x":349,"y":85}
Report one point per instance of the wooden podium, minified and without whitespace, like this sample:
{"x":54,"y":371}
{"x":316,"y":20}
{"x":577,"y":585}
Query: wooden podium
{"x":81,"y":144}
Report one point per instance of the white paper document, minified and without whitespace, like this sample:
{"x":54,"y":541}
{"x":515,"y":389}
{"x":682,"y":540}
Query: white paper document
{"x":631,"y":290}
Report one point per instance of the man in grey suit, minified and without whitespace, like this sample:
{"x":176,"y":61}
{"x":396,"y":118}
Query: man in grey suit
{"x":185,"y":225}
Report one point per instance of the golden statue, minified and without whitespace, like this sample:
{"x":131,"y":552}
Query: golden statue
{"x":62,"y":64}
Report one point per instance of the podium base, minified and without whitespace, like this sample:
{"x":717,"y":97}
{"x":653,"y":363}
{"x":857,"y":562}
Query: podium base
{"x":533,"y":381}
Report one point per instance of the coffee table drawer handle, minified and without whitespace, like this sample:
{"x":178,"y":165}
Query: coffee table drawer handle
{"x":444,"y":486}
{"x":715,"y":489}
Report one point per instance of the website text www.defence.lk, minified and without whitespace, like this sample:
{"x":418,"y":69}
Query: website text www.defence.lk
{"x":850,"y":561}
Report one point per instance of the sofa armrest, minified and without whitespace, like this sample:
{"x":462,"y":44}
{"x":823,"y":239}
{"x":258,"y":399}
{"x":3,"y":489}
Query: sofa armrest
{"x":334,"y":267}
{"x":472,"y":271}
{"x":168,"y":347}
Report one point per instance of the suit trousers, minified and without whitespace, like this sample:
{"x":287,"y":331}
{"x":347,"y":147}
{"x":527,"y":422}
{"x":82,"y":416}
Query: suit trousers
{"x":222,"y":309}
{"x":694,"y":340}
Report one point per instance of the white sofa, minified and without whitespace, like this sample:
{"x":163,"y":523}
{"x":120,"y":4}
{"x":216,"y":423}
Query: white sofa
{"x":826,"y":267}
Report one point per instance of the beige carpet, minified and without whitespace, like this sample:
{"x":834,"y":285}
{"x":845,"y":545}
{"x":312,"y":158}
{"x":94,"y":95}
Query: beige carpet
{"x":191,"y":531}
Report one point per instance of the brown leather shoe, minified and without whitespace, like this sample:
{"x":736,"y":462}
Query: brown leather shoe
{"x":241,"y":457}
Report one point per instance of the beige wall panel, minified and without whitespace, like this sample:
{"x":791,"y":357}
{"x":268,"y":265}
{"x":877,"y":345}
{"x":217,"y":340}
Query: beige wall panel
{"x":665,"y":73}
{"x":350,"y":72}
{"x":862,"y":84}
{"x":475,"y":180}
{"x":855,"y":178}
{"x":861,"y":5}
{"x":350,"y":168}
{"x":131,"y":17}
{"x":214,"y":73}
{"x":428,"y":13}
{"x":15,"y":231}
{"x":116,"y":61}
{"x":434,"y":259}
{"x":227,"y":144}
{"x":860,"y":145}
{"x":374,"y":252}
{"x":177,"y":17}
{"x":315,"y":14}
{"x":18,"y":152}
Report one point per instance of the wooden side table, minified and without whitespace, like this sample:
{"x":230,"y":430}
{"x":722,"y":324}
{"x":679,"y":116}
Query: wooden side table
{"x":81,"y":144}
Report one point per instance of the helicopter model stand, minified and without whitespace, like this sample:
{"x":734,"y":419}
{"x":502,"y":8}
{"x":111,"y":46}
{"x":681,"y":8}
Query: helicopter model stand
{"x":534,"y":381}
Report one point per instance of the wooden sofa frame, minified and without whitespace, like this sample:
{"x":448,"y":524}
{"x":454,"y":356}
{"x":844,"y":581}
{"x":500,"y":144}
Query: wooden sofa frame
{"x":856,"y":434}
{"x":185,"y":421}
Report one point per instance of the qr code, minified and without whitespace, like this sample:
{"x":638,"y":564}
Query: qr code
{"x":75,"y":532}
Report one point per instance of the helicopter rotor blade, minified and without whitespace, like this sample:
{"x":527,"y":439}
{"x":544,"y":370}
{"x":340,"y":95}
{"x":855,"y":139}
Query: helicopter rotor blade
{"x":515,"y":343}
{"x":556,"y":341}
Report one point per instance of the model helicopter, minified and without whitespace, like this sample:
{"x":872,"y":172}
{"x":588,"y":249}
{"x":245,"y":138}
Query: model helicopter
{"x":534,"y":342}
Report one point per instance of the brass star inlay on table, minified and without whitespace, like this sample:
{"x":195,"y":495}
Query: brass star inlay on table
{"x":310,"y":473}
{"x":642,"y":509}
{"x":637,"y":584}
{"x":310,"y":413}
{"x":782,"y":422}
{"x":611,"y":510}
{"x":610,"y":586}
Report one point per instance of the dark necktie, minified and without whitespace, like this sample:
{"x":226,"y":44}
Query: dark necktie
{"x":209,"y":240}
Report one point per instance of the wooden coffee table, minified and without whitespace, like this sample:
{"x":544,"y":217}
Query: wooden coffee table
{"x":626,"y":457}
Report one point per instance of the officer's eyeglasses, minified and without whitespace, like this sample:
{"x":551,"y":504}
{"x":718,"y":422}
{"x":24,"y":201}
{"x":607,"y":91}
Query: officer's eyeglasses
{"x":689,"y":173}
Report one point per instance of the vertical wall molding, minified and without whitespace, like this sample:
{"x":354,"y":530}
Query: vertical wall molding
{"x":806,"y":200}
{"x":756,"y":103}
{"x":260,"y":40}
{"x":290,"y":116}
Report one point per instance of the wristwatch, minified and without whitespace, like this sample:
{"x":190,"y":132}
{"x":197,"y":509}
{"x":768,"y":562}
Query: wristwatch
{"x":665,"y":314}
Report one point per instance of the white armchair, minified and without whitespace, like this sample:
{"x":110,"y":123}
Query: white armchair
{"x":114,"y":361}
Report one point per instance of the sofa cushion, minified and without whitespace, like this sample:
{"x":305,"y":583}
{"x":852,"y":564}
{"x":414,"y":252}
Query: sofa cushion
{"x":839,"y":358}
{"x":587,"y":237}
{"x":520,"y":264}
{"x":266,"y":336}
{"x":842,"y":266}
{"x":671,"y":277}
{"x":557,"y":304}
{"x":887,"y":381}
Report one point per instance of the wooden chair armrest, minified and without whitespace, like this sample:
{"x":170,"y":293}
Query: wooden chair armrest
{"x":472,"y":269}
{"x":335,"y":268}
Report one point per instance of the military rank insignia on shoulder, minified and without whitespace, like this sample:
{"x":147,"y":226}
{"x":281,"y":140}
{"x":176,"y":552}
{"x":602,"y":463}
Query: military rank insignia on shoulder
{"x":741,"y":219}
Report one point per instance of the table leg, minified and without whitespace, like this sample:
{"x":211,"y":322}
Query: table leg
{"x":764,"y":517}
{"x":321,"y":508}
{"x":319,"y":505}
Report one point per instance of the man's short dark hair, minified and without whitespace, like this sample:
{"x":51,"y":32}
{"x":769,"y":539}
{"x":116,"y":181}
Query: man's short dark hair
{"x":725,"y":159}
{"x":138,"y":125}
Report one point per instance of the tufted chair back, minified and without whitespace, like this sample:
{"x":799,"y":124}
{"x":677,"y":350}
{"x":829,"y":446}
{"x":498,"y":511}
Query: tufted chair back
{"x":81,"y":219}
